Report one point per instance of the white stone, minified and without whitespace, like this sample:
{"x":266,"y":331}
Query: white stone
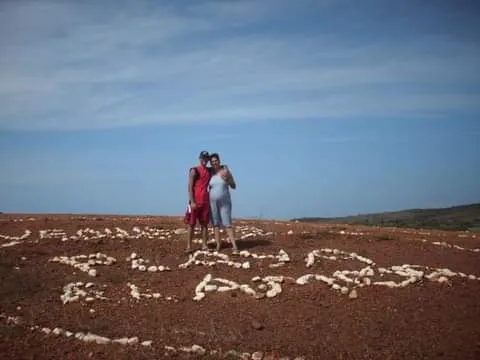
{"x":302,"y":280}
{"x":210,"y":288}
{"x":199,"y":296}
{"x":257,"y":355}
{"x":275,"y":290}
{"x":353,"y":294}
{"x":133,"y":340}
{"x":95,"y":338}
{"x":123,"y":341}
{"x":197,"y":349}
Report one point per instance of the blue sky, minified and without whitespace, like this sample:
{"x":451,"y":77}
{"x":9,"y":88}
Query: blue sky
{"x":320,"y":108}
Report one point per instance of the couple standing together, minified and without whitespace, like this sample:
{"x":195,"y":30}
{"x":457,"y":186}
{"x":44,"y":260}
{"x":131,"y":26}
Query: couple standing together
{"x":209,"y":199}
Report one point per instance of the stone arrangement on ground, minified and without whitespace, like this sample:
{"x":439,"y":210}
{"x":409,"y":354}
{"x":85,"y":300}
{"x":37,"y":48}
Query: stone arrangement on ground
{"x":122,"y":285}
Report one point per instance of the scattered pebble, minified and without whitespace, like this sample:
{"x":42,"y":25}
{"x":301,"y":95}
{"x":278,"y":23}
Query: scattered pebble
{"x":257,"y":325}
{"x":140,"y":264}
{"x":257,"y":355}
{"x":136,"y":294}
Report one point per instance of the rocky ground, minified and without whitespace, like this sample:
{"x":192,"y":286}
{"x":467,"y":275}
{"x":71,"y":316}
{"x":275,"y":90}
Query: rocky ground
{"x":81,"y":287}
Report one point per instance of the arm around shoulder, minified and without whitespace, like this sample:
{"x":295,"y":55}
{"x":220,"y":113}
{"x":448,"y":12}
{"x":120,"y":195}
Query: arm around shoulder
{"x":230,"y":180}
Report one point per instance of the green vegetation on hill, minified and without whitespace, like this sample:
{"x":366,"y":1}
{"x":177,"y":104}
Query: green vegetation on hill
{"x":464,"y":217}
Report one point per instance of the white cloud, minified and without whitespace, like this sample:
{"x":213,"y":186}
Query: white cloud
{"x":84,"y":65}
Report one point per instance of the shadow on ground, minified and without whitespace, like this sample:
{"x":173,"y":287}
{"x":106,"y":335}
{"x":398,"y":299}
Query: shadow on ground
{"x":250,"y":244}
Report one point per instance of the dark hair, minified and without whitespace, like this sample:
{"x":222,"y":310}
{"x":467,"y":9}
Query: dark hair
{"x":204,"y":155}
{"x":215,"y":155}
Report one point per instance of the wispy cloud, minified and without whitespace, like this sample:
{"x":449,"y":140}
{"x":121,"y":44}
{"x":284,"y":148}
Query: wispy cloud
{"x":74,"y":65}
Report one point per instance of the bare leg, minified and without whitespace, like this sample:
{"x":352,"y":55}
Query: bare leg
{"x":217,"y":237}
{"x":231,"y":236}
{"x":191,"y":230}
{"x":204,"y":238}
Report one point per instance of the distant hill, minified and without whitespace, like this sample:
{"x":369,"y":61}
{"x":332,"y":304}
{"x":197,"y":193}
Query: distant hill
{"x":464,"y":217}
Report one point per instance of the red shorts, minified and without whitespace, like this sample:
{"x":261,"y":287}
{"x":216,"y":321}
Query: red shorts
{"x":201,"y":213}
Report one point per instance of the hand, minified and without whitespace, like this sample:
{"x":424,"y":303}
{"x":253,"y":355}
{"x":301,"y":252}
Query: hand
{"x":193,"y":205}
{"x":224,"y":174}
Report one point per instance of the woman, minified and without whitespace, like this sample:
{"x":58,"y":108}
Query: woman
{"x":220,"y":200}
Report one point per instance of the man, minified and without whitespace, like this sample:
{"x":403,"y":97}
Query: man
{"x":199,"y":200}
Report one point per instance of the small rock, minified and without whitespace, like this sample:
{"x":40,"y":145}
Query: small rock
{"x":197,"y":349}
{"x":180,"y":231}
{"x":234,"y":354}
{"x":152,"y":268}
{"x":132,"y":340}
{"x":353,"y":294}
{"x":122,"y":341}
{"x":290,"y":232}
{"x":257,"y":325}
{"x":257,"y":355}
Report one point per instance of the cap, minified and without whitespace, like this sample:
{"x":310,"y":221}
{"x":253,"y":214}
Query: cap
{"x":204,"y":154}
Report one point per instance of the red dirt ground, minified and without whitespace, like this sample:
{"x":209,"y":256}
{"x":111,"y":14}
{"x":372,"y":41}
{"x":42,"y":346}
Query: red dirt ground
{"x":425,"y":320}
